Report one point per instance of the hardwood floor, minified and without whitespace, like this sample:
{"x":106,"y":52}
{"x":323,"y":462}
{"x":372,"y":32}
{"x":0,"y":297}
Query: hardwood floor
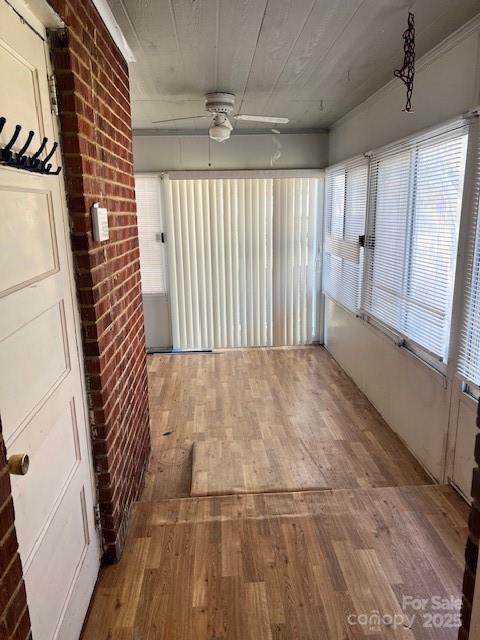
{"x":284,"y":566}
{"x":281,"y":565}
{"x":267,"y":420}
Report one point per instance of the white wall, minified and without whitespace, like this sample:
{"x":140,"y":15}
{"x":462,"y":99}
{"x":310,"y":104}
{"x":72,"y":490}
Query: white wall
{"x":447,"y":83}
{"x":255,"y":151}
{"x":410,"y":396}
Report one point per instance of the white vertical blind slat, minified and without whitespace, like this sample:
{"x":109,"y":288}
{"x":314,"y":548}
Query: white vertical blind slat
{"x":311,"y":260}
{"x":256,"y":267}
{"x":181,"y":288}
{"x":199,"y":249}
{"x":215,"y":267}
{"x":242,"y":243}
{"x":172,"y":264}
{"x":184,"y":241}
{"x":290,"y":259}
{"x":192,"y":210}
{"x":269,"y":259}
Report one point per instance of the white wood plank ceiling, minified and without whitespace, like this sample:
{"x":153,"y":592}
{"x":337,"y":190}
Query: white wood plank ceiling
{"x":309,"y":60}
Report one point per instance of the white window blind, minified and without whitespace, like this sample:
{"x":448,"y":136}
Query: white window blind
{"x":469,"y":353}
{"x":152,"y":251}
{"x":414,"y":210}
{"x":221,"y":255}
{"x":345,"y":209}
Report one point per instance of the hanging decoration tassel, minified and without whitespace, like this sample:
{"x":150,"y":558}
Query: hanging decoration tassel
{"x":407,"y":72}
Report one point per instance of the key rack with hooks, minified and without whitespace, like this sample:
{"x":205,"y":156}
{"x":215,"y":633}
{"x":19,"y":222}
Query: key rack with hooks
{"x":20,"y":160}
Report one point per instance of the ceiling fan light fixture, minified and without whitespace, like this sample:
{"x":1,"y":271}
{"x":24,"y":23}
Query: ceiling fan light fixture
{"x":219,"y":106}
{"x":220,"y":129}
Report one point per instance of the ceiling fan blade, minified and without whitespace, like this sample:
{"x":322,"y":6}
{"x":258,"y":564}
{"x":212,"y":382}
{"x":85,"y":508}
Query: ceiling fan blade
{"x":178,"y":119}
{"x":274,"y":119}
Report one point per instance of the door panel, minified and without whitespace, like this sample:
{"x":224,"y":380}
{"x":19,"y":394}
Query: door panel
{"x":24,"y":354}
{"x":28,"y":246}
{"x":43,"y":438}
{"x":42,"y":403}
{"x":158,"y":329}
{"x":153,"y":262}
{"x":68,"y":523}
{"x":464,"y":430}
{"x":20,"y":103}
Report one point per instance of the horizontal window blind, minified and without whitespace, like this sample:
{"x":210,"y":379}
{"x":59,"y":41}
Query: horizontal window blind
{"x":469,"y":353}
{"x":242,"y":261}
{"x":414,"y":210}
{"x":152,"y":250}
{"x":345,"y":209}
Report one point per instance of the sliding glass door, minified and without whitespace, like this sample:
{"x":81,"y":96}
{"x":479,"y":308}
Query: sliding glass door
{"x":242,"y":260}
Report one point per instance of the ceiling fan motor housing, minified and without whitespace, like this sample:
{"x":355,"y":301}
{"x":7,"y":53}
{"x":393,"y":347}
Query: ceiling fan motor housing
{"x":220,"y":102}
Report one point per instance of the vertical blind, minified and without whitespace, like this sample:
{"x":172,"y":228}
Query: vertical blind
{"x":345,"y":209}
{"x":469,"y":354}
{"x":242,"y":261}
{"x":149,"y":215}
{"x":295,"y":213}
{"x":414,"y":212}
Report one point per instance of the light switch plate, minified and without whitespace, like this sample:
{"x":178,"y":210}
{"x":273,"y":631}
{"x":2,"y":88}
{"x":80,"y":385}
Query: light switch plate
{"x":100,"y":223}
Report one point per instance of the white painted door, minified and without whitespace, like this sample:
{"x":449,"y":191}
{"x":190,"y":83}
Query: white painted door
{"x":41,"y":389}
{"x":153,"y":261}
{"x":463,"y":431}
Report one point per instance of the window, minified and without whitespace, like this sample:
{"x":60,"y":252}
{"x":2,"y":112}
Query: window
{"x":469,"y":354}
{"x":345,"y":206}
{"x":152,"y":251}
{"x":415,"y":204}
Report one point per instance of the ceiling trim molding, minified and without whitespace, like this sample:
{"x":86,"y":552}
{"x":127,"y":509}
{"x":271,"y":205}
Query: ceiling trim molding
{"x":237,"y":132}
{"x":114,"y":29}
{"x":194,"y":174}
{"x":469,"y":28}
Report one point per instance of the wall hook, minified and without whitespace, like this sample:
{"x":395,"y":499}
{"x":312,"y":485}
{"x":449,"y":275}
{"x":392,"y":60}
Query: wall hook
{"x":19,"y":159}
{"x":7,"y":149}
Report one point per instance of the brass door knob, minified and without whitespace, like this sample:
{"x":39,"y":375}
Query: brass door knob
{"x":18,"y":464}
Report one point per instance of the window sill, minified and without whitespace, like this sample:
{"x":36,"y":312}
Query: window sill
{"x":407,"y":350}
{"x":397,"y":341}
{"x":471,"y":391}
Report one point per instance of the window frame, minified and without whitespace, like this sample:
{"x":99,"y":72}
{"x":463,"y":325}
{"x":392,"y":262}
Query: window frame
{"x":345,"y":169}
{"x":412,"y":144}
{"x":468,"y":271}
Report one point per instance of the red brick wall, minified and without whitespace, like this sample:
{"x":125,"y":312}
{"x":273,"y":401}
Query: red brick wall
{"x":471,"y":551}
{"x":94,"y":103}
{"x":14,"y":619}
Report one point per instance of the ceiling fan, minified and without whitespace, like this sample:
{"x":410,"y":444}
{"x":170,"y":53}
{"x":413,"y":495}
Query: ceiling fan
{"x":220,"y":107}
